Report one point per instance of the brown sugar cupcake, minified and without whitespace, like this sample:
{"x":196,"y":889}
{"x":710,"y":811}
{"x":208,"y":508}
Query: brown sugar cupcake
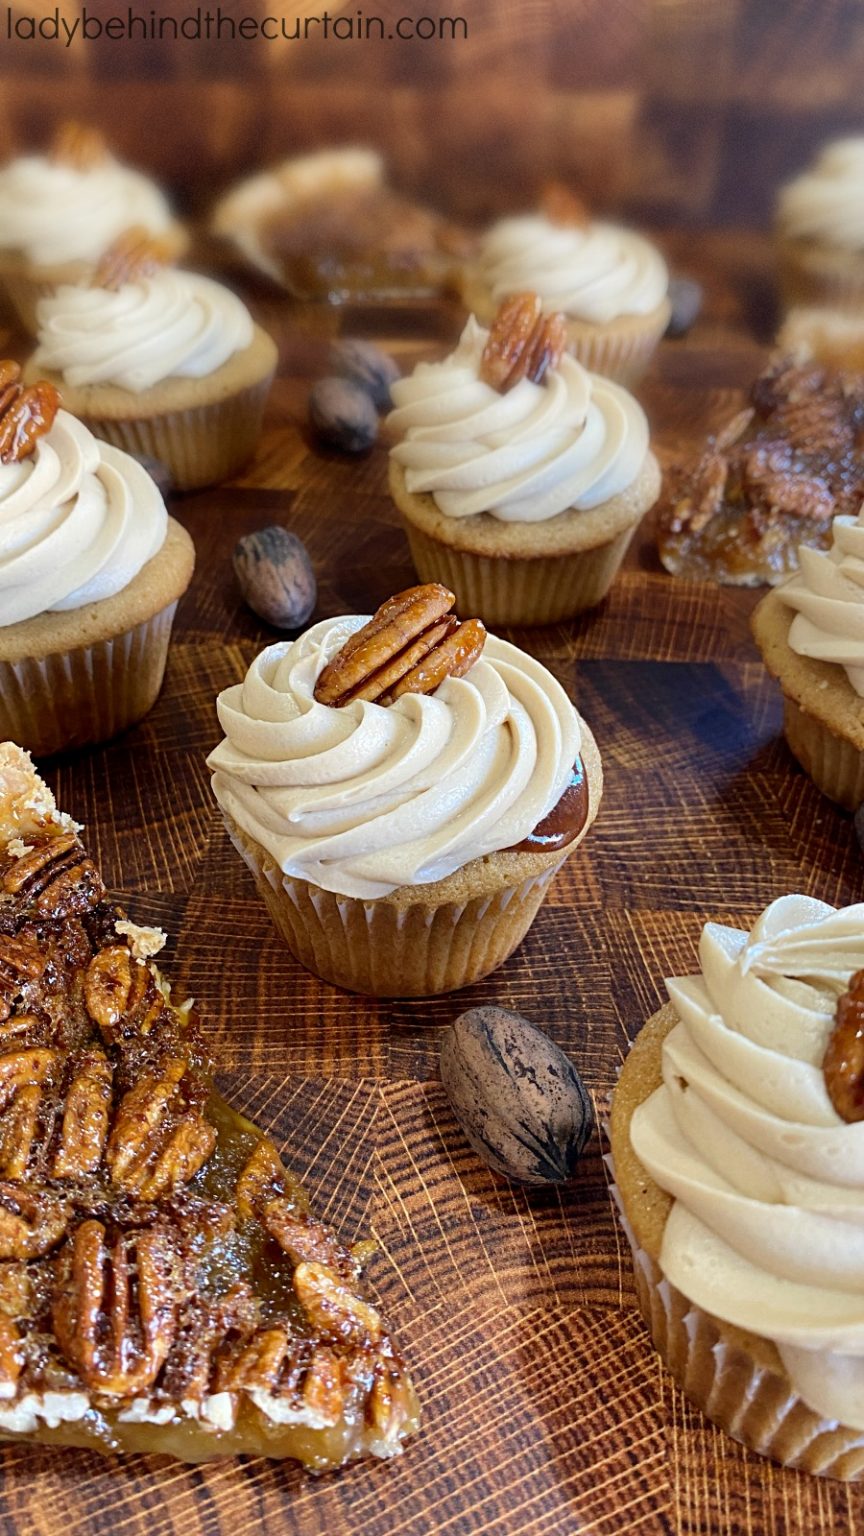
{"x":158,"y":362}
{"x":811,"y":634}
{"x":739,"y":1166}
{"x":91,"y":570}
{"x":610,"y":283}
{"x":403,"y":790}
{"x":820,"y":231}
{"x":60,"y":211}
{"x":520,"y":477}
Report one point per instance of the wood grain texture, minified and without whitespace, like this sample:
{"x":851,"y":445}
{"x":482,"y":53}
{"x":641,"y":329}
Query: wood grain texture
{"x":546,"y":1412}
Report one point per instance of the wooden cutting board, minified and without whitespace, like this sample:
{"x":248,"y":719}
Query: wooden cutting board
{"x":546,"y":1412}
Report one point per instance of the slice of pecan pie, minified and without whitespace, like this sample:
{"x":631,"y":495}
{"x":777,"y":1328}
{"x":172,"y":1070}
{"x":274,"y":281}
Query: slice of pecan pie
{"x":163,"y":1285}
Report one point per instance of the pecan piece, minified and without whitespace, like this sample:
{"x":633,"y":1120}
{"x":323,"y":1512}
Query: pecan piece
{"x":22,"y":1076}
{"x":21,"y":961}
{"x":389,"y":1404}
{"x":563,"y":206}
{"x":273,"y":1361}
{"x":55,"y":879}
{"x":32,"y":1220}
{"x":159,"y":1139}
{"x":11,"y":1357}
{"x":79,"y":146}
{"x":306,"y":1240}
{"x":86,"y":1116}
{"x":115,"y":1309}
{"x":261,"y":1180}
{"x":135,"y":254}
{"x":332,"y":1307}
{"x":208,"y":1327}
{"x":409,"y":646}
{"x":26,"y":416}
{"x":523,"y":343}
{"x":843,"y":1063}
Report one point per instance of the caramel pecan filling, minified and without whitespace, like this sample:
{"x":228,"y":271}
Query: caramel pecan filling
{"x":26,"y":413}
{"x":843,"y":1064}
{"x":409,"y":646}
{"x":523,"y":343}
{"x":135,"y":254}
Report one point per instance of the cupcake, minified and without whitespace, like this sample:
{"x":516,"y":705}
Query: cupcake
{"x":520,"y":477}
{"x":158,"y":362}
{"x":735,"y":1128}
{"x":59,"y":213}
{"x":91,"y":570}
{"x":608,"y":282}
{"x":814,"y":334}
{"x":811,"y":634}
{"x":820,"y":231}
{"x":403,"y":790}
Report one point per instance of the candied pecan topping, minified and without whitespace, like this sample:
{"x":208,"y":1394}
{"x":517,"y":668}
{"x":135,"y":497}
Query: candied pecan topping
{"x":115,"y":1310}
{"x":32,"y":1220}
{"x":21,"y":961}
{"x":55,"y":879}
{"x":86,"y":1116}
{"x":843,"y":1063}
{"x":160,"y":1137}
{"x":276,"y":1361}
{"x":523,"y":343}
{"x":563,"y":206}
{"x":774,"y":477}
{"x":306,"y":1240}
{"x":135,"y":254}
{"x":261,"y":1180}
{"x":80,"y":146}
{"x":333,"y":1308}
{"x":27,"y":412}
{"x":410,"y":645}
{"x":208,"y":1329}
{"x":11,"y":1359}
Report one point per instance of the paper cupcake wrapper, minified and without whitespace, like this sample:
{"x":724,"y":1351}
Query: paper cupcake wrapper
{"x":619,"y":355}
{"x":200,"y":446}
{"x":23,"y":293}
{"x":750,"y":1401}
{"x":832,"y":284}
{"x":75,"y":698}
{"x":529,"y":591}
{"x":384,"y":950}
{"x":833,"y":763}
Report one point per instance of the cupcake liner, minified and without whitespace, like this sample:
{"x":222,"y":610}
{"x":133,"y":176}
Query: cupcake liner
{"x":826,"y":279}
{"x":384,"y":949}
{"x":621,"y":355}
{"x":74,"y":698}
{"x":752,"y":1401}
{"x":201,"y":445}
{"x":23,"y":293}
{"x":833,"y":763}
{"x":543,"y":590}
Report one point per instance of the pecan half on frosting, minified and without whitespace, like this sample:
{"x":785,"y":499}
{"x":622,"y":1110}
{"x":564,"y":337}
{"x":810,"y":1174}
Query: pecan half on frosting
{"x":843,"y":1063}
{"x":563,"y":206}
{"x":80,"y":146}
{"x":523,"y":343}
{"x":409,"y":645}
{"x":134,"y":254}
{"x":26,"y":413}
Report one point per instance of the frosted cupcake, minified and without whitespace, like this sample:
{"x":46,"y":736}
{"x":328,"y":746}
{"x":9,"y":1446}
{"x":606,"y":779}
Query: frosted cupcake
{"x":820,"y":231}
{"x":811,"y":634}
{"x":403,"y":793}
{"x":737,"y":1151}
{"x":159,"y":362}
{"x":59,"y":213}
{"x":91,"y":570}
{"x":520,"y":477}
{"x":610,"y":283}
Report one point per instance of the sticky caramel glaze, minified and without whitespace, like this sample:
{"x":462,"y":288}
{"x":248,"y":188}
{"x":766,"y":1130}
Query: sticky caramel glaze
{"x":565,"y":820}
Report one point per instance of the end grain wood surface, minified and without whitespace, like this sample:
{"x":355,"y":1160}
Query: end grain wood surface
{"x":545,"y":1410}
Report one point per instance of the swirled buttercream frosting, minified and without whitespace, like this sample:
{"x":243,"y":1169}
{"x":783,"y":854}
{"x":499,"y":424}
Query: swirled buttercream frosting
{"x":366,"y":798}
{"x":766,"y":1230}
{"x":596,"y":272}
{"x":826,"y":203}
{"x":53,"y":212}
{"x":827,"y":594}
{"x":170,"y":325}
{"x":78,"y":521}
{"x":527,"y":455}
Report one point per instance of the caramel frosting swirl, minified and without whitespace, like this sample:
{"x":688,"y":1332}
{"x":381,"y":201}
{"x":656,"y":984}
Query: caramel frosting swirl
{"x":168,"y":325}
{"x":596,"y":272}
{"x":53,"y":213}
{"x":767,"y":1226}
{"x":540,"y":449}
{"x":366,"y":798}
{"x":78,"y":521}
{"x":827,"y":593}
{"x":826,"y":203}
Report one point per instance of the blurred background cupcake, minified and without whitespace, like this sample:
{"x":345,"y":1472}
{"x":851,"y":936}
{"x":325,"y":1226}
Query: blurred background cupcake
{"x":61,"y":210}
{"x":820,"y":230}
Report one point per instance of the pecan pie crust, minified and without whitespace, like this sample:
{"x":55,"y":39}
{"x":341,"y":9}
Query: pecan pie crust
{"x":163,"y":1284}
